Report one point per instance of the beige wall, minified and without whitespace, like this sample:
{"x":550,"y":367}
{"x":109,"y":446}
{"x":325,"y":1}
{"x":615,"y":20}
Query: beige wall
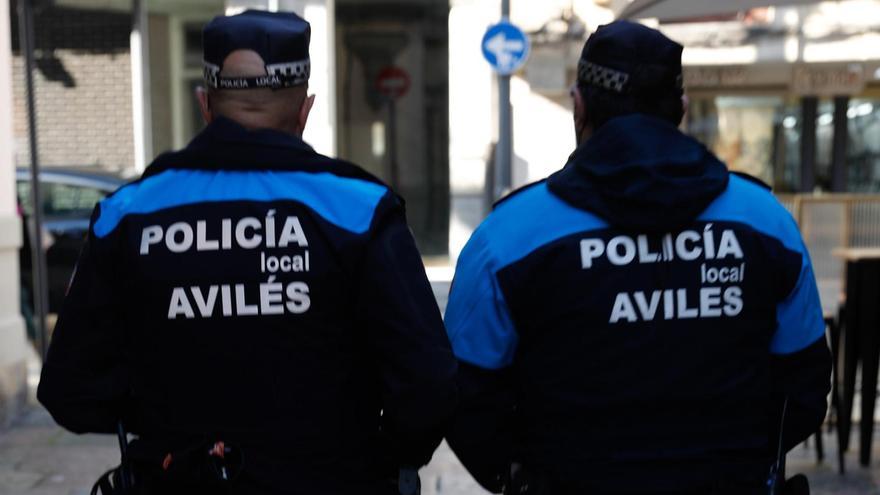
{"x":13,"y":384}
{"x":88,"y":124}
{"x":160,"y":84}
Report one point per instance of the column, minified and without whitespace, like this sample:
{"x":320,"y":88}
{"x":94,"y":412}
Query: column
{"x":13,"y":344}
{"x":838,"y":150}
{"x":321,"y":14}
{"x":809,"y":111}
{"x":140,"y":86}
{"x":472,"y":117}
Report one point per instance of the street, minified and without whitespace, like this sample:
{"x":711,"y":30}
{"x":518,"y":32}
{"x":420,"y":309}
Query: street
{"x":39,"y":458}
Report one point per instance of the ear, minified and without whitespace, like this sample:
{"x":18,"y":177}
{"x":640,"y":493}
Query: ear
{"x":204,"y":104}
{"x":582,"y":131}
{"x":304,"y":112}
{"x":685,"y":107}
{"x":580,"y":111}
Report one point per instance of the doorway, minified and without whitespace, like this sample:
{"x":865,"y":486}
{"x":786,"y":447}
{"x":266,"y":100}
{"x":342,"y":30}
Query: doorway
{"x":393,"y":104}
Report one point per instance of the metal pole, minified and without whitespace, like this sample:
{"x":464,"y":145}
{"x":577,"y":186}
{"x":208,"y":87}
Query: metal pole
{"x":809,"y":111}
{"x":392,"y":143}
{"x":38,"y":256}
{"x":504,"y":152}
{"x":838,"y":148}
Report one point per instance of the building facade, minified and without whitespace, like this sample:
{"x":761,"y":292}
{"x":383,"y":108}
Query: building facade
{"x":788,"y":94}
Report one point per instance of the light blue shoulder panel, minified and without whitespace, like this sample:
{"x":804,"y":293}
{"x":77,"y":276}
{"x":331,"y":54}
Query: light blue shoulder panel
{"x":799,"y":316}
{"x":345,"y":202}
{"x":477,"y":317}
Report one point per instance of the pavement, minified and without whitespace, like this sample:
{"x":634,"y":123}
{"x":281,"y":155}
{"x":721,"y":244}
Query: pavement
{"x":39,"y":458}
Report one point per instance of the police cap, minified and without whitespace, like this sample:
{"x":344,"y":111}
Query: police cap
{"x":280,"y":38}
{"x":628,"y":58}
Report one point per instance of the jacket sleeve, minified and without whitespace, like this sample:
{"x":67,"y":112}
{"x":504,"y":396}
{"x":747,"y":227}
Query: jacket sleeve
{"x":483,"y":433}
{"x":84,"y":384}
{"x":801,"y":361}
{"x":406,"y":334}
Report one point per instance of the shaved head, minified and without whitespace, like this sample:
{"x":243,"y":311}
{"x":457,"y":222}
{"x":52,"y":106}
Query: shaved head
{"x":284,"y":110}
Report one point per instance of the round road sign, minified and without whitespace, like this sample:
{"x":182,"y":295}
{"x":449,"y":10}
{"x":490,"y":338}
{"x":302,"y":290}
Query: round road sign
{"x":393,"y":82}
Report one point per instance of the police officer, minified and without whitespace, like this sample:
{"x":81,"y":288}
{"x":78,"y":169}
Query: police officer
{"x":257,"y":313}
{"x":635,"y":323}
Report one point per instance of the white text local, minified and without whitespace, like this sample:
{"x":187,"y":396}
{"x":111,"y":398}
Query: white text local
{"x":232,"y":300}
{"x":245,"y":233}
{"x":689,"y":245}
{"x":712,"y":302}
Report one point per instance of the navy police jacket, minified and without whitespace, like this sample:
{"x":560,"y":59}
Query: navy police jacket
{"x":250,"y":290}
{"x":634,"y":323}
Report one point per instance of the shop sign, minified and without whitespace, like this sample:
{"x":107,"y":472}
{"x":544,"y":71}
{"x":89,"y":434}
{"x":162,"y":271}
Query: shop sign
{"x":829,"y":81}
{"x":714,"y":77}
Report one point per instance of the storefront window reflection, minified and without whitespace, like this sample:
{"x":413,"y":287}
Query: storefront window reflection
{"x":761,"y":136}
{"x":863,"y":147}
{"x":757,"y":135}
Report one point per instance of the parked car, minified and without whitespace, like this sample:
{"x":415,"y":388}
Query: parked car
{"x":69,"y":196}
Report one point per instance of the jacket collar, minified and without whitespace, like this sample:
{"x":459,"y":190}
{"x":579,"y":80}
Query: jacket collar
{"x":224,"y":132}
{"x":640,"y":172}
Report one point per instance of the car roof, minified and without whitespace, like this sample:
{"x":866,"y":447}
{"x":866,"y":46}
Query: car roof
{"x":83,"y":176}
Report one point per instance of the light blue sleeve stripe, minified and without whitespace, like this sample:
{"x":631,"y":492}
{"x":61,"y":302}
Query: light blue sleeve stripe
{"x":750,"y":204}
{"x":799,"y":317}
{"x":347,"y":203}
{"x":478,"y":319}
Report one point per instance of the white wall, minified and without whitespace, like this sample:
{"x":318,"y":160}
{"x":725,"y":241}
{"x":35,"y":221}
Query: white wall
{"x":824,"y":32}
{"x":542,"y":124}
{"x":12,"y":336}
{"x":320,"y":131}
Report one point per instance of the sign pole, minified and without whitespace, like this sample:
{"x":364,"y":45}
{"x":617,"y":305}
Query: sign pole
{"x":504,"y":151}
{"x":392,"y":142}
{"x":38,"y":255}
{"x":393,"y":83}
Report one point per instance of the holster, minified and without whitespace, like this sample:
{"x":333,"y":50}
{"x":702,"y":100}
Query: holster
{"x":147,"y":467}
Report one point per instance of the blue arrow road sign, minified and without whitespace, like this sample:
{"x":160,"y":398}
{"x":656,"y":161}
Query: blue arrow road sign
{"x":506,"y":47}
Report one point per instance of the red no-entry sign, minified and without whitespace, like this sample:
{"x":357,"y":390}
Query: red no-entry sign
{"x":393,"y":82}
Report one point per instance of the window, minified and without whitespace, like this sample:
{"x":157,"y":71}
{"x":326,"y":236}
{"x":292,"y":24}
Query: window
{"x":61,"y":200}
{"x":863,"y":148}
{"x":70,"y":201}
{"x":757,"y":135}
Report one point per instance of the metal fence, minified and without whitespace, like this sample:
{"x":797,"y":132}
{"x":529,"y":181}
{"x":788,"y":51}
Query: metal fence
{"x":832,"y":221}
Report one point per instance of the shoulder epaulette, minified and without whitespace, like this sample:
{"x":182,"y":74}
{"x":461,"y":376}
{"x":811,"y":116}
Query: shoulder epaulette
{"x":753,"y":180}
{"x":516,"y":192}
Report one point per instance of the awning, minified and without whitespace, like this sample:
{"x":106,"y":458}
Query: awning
{"x":670,"y":10}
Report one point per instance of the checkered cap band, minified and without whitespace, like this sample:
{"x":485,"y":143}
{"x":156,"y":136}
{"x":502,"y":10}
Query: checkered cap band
{"x":602,"y":77}
{"x":300,"y":70}
{"x":277,"y":76}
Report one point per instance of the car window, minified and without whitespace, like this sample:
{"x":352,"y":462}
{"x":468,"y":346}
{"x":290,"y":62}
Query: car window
{"x":70,"y":201}
{"x":24,"y":197}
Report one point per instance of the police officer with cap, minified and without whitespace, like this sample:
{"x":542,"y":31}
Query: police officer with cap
{"x":256,"y":313}
{"x":637,"y":322}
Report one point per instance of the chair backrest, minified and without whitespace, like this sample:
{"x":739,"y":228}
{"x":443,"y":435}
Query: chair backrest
{"x":831,"y":221}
